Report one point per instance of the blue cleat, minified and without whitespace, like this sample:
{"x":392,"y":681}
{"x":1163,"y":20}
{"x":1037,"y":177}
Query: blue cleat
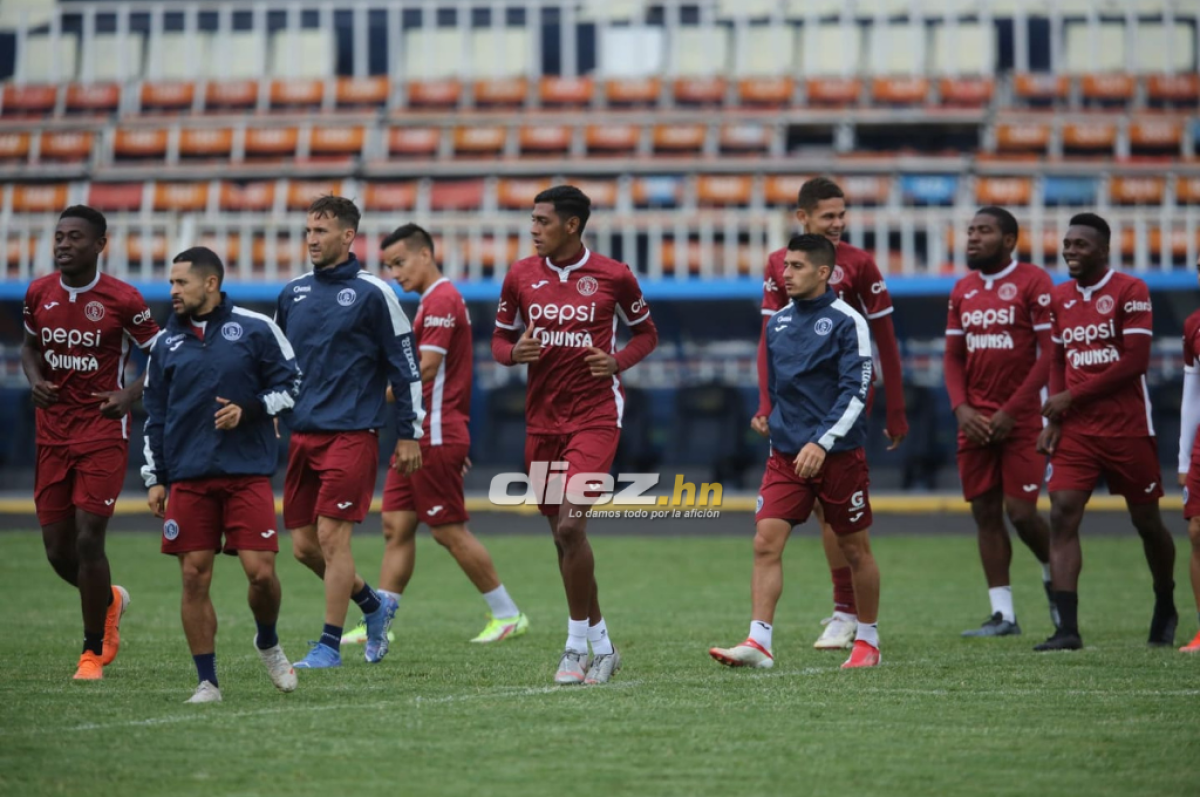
{"x":378,"y":622}
{"x":319,"y":657}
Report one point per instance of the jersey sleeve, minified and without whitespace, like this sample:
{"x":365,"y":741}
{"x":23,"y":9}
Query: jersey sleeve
{"x":509,"y":309}
{"x":1055,"y":324}
{"x":28,"y":318}
{"x":1136,"y":313}
{"x":1190,"y":328}
{"x":774,"y":293}
{"x":139,"y":324}
{"x":437,"y":337}
{"x":953,"y":317}
{"x":154,"y":399}
{"x":631,"y":305}
{"x":1039,"y":300}
{"x":872,"y":290}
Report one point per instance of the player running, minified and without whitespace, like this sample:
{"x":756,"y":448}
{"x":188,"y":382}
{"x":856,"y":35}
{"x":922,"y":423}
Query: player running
{"x":79,"y":324}
{"x":998,"y":353}
{"x":434,"y":494}
{"x":1189,"y":455}
{"x":1099,"y":423}
{"x":818,"y":376}
{"x":351,"y":339}
{"x":217,"y":377}
{"x":569,"y":299}
{"x":856,"y":280}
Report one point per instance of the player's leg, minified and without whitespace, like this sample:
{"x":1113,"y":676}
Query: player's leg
{"x":301,"y":485}
{"x":99,"y":476}
{"x":1194,"y":571}
{"x":1024,"y":470}
{"x":476,"y":563}
{"x":53,"y":482}
{"x":1159,"y":549}
{"x":839,"y":627}
{"x":856,"y":546}
{"x":1066,"y":563}
{"x":58,"y":538}
{"x":200,"y":622}
{"x":399,"y":551}
{"x":995,"y":553}
{"x":576,"y":564}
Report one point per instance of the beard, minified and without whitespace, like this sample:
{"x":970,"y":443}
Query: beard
{"x":985,"y":262}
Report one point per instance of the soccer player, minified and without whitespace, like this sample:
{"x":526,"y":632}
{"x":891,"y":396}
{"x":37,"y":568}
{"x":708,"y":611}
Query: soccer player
{"x":1189,"y":455}
{"x":1099,"y":423}
{"x":434,"y":494}
{"x":79,"y":324}
{"x":570,"y":299}
{"x":217,"y":377}
{"x":351,"y":339}
{"x":856,"y":280}
{"x":998,"y":352}
{"x":818,"y":375}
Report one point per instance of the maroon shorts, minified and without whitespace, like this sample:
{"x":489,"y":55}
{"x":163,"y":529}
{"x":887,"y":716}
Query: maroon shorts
{"x":841,"y":487}
{"x":585,"y":451}
{"x":1014,"y":465}
{"x":1191,"y":490}
{"x":1128,"y":464}
{"x":69,"y":478}
{"x":239,"y":508}
{"x":435,"y":492}
{"x":329,"y":474}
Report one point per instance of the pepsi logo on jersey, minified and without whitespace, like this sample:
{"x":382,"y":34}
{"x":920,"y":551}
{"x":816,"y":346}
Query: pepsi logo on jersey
{"x":1090,"y":333}
{"x":562,"y":312}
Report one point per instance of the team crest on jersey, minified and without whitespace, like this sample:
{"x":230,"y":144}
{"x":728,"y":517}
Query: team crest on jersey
{"x":837,"y":276}
{"x":1044,"y":300}
{"x":758,"y":508}
{"x":231,"y":330}
{"x":94,"y":311}
{"x":1008,"y":292}
{"x":823,"y":326}
{"x":1105,"y":305}
{"x":170,"y":530}
{"x":346,"y":297}
{"x":1049,"y":472}
{"x":587,"y":285}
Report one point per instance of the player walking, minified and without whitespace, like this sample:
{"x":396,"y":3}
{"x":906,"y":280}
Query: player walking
{"x":1189,"y":455}
{"x":217,"y":377}
{"x":79,"y":324}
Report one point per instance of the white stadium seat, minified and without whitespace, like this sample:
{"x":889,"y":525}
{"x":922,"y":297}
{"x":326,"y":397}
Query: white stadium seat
{"x":106,"y":52}
{"x":40,"y":59}
{"x":969,"y":49}
{"x":897,"y":48}
{"x":829,"y":49}
{"x":302,"y":54}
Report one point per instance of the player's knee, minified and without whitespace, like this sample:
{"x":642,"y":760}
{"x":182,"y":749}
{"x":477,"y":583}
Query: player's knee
{"x":1194,"y":532}
{"x":397,"y":533}
{"x":569,"y":532}
{"x":307,"y":553}
{"x":196,"y":578}
{"x":1021,"y":513}
{"x":58,"y":554}
{"x":1150,"y":525}
{"x":261,"y":578}
{"x":450,"y":537}
{"x":767,"y":546}
{"x":1064,"y":519}
{"x":89,"y":545}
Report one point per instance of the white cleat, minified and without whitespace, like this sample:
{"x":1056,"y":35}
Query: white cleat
{"x":572,"y":668}
{"x":278,"y":667}
{"x":205,"y":693}
{"x":747,"y":654}
{"x":838,"y":634}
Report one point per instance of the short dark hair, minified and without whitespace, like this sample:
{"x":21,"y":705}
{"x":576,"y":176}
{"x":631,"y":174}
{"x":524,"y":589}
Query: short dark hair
{"x":336,"y":207}
{"x":92,"y":216}
{"x":1095,"y":222}
{"x":203,"y":259}
{"x":1006,"y":221}
{"x":817,"y":189}
{"x":818,"y":248}
{"x":568,"y":202}
{"x":410,"y":230}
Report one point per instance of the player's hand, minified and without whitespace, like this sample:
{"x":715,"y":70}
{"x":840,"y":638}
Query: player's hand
{"x":894,"y":440}
{"x":407,"y":459}
{"x":157,"y":500}
{"x":466,"y":466}
{"x":1057,"y":404}
{"x":760,"y":424}
{"x":809,"y":461}
{"x":276,"y":420}
{"x":1183,"y":480}
{"x":528,"y":348}
{"x":1002,"y":425}
{"x":974,"y":425}
{"x":115,"y":403}
{"x":600,"y":362}
{"x":229,"y":416}
{"x":1048,"y":439}
{"x":44,"y":394}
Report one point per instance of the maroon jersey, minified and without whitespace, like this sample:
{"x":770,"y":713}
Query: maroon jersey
{"x":442,"y":325}
{"x":1092,"y":324}
{"x":85,"y":335}
{"x":999,"y":316}
{"x":570,"y":309}
{"x":856,"y":279}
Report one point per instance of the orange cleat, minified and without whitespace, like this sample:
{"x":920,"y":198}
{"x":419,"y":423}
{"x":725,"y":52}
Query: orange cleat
{"x":864,"y":654}
{"x":112,"y":625}
{"x":90,"y":667}
{"x":1193,"y":646}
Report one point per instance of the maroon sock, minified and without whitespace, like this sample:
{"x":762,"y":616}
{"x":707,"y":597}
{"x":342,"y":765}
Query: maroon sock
{"x":843,"y":590}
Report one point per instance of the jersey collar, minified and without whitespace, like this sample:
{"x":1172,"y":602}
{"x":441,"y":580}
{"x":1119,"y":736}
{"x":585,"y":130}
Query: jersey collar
{"x":565,"y":271}
{"x":990,"y":279}
{"x":431,"y":288}
{"x":1088,"y":291}
{"x":73,"y":292}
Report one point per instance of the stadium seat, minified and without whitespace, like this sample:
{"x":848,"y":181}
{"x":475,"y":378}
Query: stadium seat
{"x":480,"y":142}
{"x":289,"y":253}
{"x":866,"y":189}
{"x":450,"y":195}
{"x":1172,"y":89}
{"x":47,"y":198}
{"x":258,"y":197}
{"x":490,"y":252}
{"x":434,"y":93}
{"x":766,"y":92}
{"x":328,"y":142}
{"x":1149,"y":136}
{"x":1161,"y":49}
{"x":1041,"y":89}
{"x":966,"y":92}
{"x":140,"y":144}
{"x":297,"y":94}
{"x":181,"y":197}
{"x":66,"y":145}
{"x":602,"y":192}
{"x":1051,"y":242}
{"x":1058,"y":190}
{"x":900,"y":90}
{"x":767,"y":51}
{"x":116,"y":197}
{"x":167,"y":97}
{"x":1022,"y":137}
{"x":99,"y":98}
{"x":503,"y":93}
{"x":679,"y":139}
{"x":177,"y":56}
{"x":830,"y":50}
{"x":364,"y":92}
{"x":925,"y":190}
{"x":414,"y":142}
{"x":116,"y":58}
{"x":46,"y":63}
{"x":1004,"y":191}
{"x":1137,"y":190}
{"x":302,"y":193}
{"x":968,"y":48}
{"x":228,"y":247}
{"x":701,"y":52}
{"x":783,"y":190}
{"x":612,"y":139}
{"x":271,"y":143}
{"x":514,"y":194}
{"x":1107,"y":89}
{"x":13,"y":250}
{"x":897,"y":49}
{"x":142,"y":244}
{"x":389,"y":197}
{"x":683,"y":257}
{"x":1187,"y":191}
{"x":29,"y":101}
{"x":657,"y":192}
{"x":14,"y":146}
{"x":833,"y":90}
{"x":1083,"y":54}
{"x":206,"y":143}
{"x":721,"y":190}
{"x":699,"y":91}
{"x":630,"y":92}
{"x":562,"y":92}
{"x":433,"y":53}
{"x":233,"y":95}
{"x":1093,"y":138}
{"x":308,"y":53}
{"x":545,"y":140}
{"x":745,"y":138}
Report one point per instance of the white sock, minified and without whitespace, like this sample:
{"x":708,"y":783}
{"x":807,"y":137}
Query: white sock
{"x":760,"y":632}
{"x":500,"y":603}
{"x":598,"y":636}
{"x":1046,"y":573}
{"x":869,"y":633}
{"x":577,"y":635}
{"x":1001,"y":598}
{"x":844,"y":617}
{"x":395,"y":595}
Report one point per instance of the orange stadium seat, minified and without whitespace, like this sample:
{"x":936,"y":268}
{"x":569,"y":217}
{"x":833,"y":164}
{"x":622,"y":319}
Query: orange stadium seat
{"x":766,"y":92}
{"x":49,"y":198}
{"x":900,"y":90}
{"x":602,"y":192}
{"x":93,"y":98}
{"x":181,"y":197}
{"x":1187,"y":190}
{"x":504,"y":93}
{"x":480,"y":142}
{"x":689,"y":255}
{"x":633,"y":91}
{"x":434,"y":93}
{"x":566,"y":92}
{"x":140,"y":244}
{"x":518,"y":194}
{"x":723,"y":190}
{"x":745,"y":138}
{"x":679,"y":139}
{"x":302,"y":193}
{"x":1107,"y":88}
{"x":491,"y":252}
{"x":1174,"y":244}
{"x":1022,"y":137}
{"x":699,"y":90}
{"x":1041,"y":88}
{"x":1089,"y":138}
{"x":833,"y":90}
{"x":114,"y":197}
{"x":545,"y":139}
{"x":865,"y":190}
{"x":1176,"y":89}
{"x":167,"y":97}
{"x":414,"y":142}
{"x":254,"y":197}
{"x":289,"y":252}
{"x":362,"y":92}
{"x":75,"y":145}
{"x":612,"y":139}
{"x":388,"y":197}
{"x":969,"y":92}
{"x":336,"y":142}
{"x":297,"y":94}
{"x":1137,"y":190}
{"x":783,"y":189}
{"x":271,"y":142}
{"x":29,"y":100}
{"x":206,"y":143}
{"x":140,"y":144}
{"x":13,"y":250}
{"x":1004,"y":190}
{"x":1150,"y":136}
{"x":228,"y":247}
{"x":14,"y":146}
{"x":1051,"y":242}
{"x":231,"y":95}
{"x":456,"y":195}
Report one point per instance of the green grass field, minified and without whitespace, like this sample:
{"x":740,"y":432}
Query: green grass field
{"x":942,"y":716}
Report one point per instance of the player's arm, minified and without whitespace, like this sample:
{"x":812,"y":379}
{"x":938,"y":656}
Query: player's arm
{"x":397,"y":348}
{"x":44,"y":393}
{"x":972,"y":423}
{"x":633,"y":310}
{"x":1037,"y":303}
{"x":154,"y":399}
{"x":1048,"y":439}
{"x":278,"y":376}
{"x":511,"y":346}
{"x":855,"y":366}
{"x":877,"y":307}
{"x":142,"y":330}
{"x":1190,"y":411}
{"x":775,"y":298}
